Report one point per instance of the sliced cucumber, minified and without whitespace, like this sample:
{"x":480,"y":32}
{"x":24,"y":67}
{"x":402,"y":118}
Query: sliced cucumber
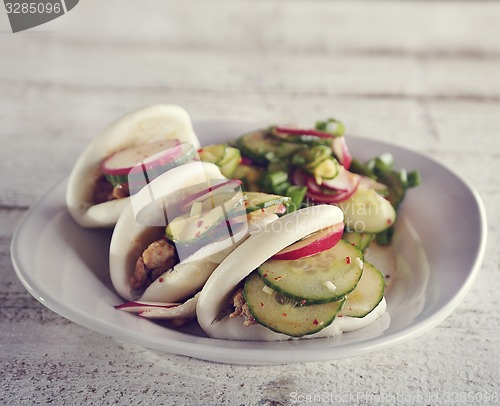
{"x":249,"y":175}
{"x":367,"y":295}
{"x":320,"y":278}
{"x":367,"y":211}
{"x":213,"y":153}
{"x":327,"y":169}
{"x":230,"y":162}
{"x":285,"y":315}
{"x":262,"y":148}
{"x":362,"y":240}
{"x":187,"y":230}
{"x":226,"y":158}
{"x":310,"y":158}
{"x":257,"y":201}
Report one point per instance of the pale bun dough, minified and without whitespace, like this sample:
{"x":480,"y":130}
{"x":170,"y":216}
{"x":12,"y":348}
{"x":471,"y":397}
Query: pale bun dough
{"x":152,"y":123}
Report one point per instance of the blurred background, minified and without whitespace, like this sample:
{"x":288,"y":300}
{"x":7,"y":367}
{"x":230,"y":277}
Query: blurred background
{"x":387,"y":69}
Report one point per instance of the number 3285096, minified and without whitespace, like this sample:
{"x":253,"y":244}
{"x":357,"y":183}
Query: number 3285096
{"x":33,"y":8}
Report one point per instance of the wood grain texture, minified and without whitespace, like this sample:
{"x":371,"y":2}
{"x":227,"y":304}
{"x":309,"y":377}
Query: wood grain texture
{"x":419,"y":74}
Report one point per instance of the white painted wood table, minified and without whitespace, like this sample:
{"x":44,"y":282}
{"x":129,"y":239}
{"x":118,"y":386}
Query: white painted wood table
{"x":420,"y":74}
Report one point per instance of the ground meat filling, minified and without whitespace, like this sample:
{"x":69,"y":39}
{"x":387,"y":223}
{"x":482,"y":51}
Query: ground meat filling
{"x":157,"y":258}
{"x":241,"y":308}
{"x":104,"y":191}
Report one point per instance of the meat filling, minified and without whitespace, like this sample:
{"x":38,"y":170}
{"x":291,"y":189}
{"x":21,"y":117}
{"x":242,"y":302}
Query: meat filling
{"x":104,"y":191}
{"x":157,"y":258}
{"x":241,"y":308}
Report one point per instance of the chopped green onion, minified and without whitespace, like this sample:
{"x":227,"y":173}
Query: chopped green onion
{"x":414,"y":179}
{"x":281,"y":188}
{"x":384,"y":238}
{"x":271,"y":180}
{"x":383,"y":163}
{"x":404,"y":177}
{"x":362,"y":169}
{"x":331,"y":126}
{"x":297,"y":194}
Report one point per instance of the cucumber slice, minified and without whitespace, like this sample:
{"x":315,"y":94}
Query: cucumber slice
{"x":214,"y":188}
{"x":249,"y":175}
{"x":367,"y":295}
{"x":327,"y":169}
{"x":230,"y":162}
{"x":213,"y":153}
{"x":187,"y":230}
{"x":310,"y":158}
{"x":262,"y":148}
{"x":367,"y":211}
{"x":320,"y":278}
{"x":362,"y":240}
{"x":285,"y":315}
{"x":258,"y":201}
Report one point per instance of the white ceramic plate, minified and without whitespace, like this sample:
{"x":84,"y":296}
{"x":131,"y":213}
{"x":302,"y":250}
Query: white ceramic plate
{"x":440,"y":244}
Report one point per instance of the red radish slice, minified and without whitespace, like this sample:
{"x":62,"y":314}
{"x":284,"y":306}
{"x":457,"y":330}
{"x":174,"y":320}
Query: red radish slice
{"x":341,"y":151}
{"x":319,"y":195}
{"x":301,"y":131}
{"x":230,"y":185}
{"x":299,"y":177}
{"x":247,"y":161}
{"x":343,"y":182}
{"x":122,"y":162}
{"x":329,"y":198}
{"x":139,"y":307}
{"x":314,"y":244}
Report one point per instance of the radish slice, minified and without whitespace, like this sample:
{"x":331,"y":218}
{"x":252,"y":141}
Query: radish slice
{"x":341,"y":151}
{"x":319,"y":195}
{"x":299,"y":177}
{"x":343,"y":182}
{"x":247,"y":161}
{"x":159,"y":310}
{"x":184,"y":311}
{"x":159,"y":153}
{"x":301,"y":131}
{"x":139,"y":307}
{"x":320,"y":241}
{"x":220,"y":186}
{"x":344,"y":187}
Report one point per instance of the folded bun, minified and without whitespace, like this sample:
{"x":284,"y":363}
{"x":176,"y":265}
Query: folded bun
{"x":258,"y":248}
{"x":130,"y":238}
{"x":158,"y":122}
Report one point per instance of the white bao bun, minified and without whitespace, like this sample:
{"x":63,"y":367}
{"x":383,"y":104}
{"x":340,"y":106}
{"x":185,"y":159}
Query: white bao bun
{"x":149,"y":124}
{"x":131,"y":237}
{"x":248,"y":256}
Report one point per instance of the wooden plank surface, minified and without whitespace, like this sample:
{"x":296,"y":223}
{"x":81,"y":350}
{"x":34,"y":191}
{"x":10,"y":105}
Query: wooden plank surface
{"x":418,"y":74}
